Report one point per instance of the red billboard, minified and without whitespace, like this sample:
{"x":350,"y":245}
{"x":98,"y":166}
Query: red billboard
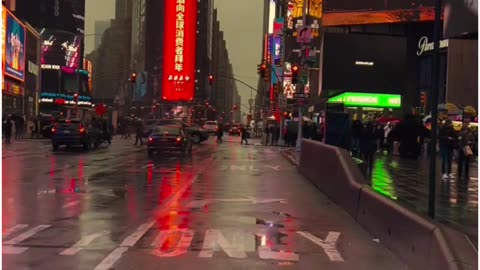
{"x":179,"y":50}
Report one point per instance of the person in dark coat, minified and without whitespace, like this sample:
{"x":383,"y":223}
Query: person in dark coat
{"x":220,"y":132}
{"x":243,"y":133}
{"x":410,"y":134}
{"x":368,"y":144}
{"x":139,"y":132}
{"x":8,"y":129}
{"x":356,"y":135}
{"x":465,"y":139}
{"x":446,"y":136}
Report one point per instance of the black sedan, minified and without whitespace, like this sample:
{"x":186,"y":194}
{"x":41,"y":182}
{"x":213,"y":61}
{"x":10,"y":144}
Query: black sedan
{"x":71,"y":132}
{"x":169,"y":138}
{"x":196,"y":133}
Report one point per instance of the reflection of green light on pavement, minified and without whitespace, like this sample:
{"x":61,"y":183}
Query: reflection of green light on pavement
{"x":382,"y":181}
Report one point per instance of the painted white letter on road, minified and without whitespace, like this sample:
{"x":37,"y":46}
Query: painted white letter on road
{"x":182,"y":246}
{"x":328,"y":244}
{"x":236,"y":248}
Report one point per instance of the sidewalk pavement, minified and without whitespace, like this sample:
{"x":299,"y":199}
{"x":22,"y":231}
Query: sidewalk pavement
{"x":406,"y":182}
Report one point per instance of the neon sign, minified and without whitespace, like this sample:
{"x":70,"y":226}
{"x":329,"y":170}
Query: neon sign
{"x":351,"y":99}
{"x":179,"y":50}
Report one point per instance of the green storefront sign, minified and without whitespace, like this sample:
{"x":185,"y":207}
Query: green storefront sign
{"x":351,"y":99}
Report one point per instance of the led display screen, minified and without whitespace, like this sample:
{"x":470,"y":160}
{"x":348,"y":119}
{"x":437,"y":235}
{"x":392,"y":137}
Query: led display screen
{"x":179,"y":50}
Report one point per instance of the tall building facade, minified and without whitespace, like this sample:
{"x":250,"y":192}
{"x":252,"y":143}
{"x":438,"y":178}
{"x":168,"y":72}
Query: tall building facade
{"x":204,"y":49}
{"x":100,"y":27}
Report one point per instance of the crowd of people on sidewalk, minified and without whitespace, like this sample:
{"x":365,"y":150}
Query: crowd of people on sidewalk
{"x":17,"y":126}
{"x":408,"y":138}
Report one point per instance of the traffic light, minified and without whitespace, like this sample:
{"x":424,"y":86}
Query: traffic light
{"x":262,"y":70}
{"x":133,"y":77}
{"x":295,"y":70}
{"x":210,"y":80}
{"x":423,"y":99}
{"x":75,"y":98}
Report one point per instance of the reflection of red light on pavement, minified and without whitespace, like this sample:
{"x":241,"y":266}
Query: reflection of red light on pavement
{"x":150,"y":173}
{"x":52,"y":166}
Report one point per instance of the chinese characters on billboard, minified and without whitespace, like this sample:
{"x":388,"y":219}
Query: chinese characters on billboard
{"x":14,"y":54}
{"x":179,"y":50}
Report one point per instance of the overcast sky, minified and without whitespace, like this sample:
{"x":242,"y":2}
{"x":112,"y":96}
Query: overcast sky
{"x":240,"y":20}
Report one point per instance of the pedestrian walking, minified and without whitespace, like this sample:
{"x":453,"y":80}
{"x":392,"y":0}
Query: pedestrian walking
{"x":386,"y":137}
{"x":368,"y":144}
{"x":446,"y":137}
{"x":19,"y":122}
{"x":8,"y":129}
{"x":139,"y":133}
{"x":243,"y":133}
{"x":465,"y":142}
{"x":220,"y":133}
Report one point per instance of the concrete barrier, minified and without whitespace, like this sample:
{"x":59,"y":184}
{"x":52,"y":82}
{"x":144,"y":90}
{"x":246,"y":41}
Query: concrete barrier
{"x":333,"y":171}
{"x":406,"y":234}
{"x":420,"y":242}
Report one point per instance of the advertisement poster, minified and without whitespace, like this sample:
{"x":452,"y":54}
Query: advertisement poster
{"x":14,"y":48}
{"x":277,"y":41}
{"x":141,"y":86}
{"x":180,"y":34}
{"x":61,"y":48}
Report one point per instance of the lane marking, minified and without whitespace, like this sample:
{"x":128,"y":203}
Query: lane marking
{"x":84,"y":242}
{"x":116,"y":254}
{"x":328,"y":245}
{"x":70,"y":204}
{"x":26,"y":235}
{"x":276,"y":168}
{"x":180,"y":248}
{"x":133,"y":238}
{"x":110,"y":260}
{"x":44,"y":192}
{"x":9,"y":250}
{"x":14,"y":229}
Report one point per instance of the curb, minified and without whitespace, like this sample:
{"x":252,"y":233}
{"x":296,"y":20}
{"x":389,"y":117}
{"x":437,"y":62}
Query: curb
{"x":286,"y":154}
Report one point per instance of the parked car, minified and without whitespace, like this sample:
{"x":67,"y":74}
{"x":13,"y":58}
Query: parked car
{"x":211,"y":126}
{"x":169,"y":138}
{"x":196,"y":133}
{"x":72,"y":132}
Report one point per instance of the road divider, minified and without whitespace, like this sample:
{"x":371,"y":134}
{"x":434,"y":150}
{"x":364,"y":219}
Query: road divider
{"x":420,"y":242}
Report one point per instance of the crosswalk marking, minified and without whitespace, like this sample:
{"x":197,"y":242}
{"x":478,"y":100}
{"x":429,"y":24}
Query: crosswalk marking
{"x":26,"y":235}
{"x":14,"y":229}
{"x":84,"y":242}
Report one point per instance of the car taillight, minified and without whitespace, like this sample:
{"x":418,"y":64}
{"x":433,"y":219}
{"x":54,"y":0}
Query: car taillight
{"x":82,"y":129}
{"x":179,"y":139}
{"x":150,"y":140}
{"x":54,"y":130}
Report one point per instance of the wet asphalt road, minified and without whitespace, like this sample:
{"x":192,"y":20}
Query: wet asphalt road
{"x":226,"y":207}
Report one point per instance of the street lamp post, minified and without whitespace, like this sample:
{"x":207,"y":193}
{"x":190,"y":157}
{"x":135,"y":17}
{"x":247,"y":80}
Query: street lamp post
{"x":434,"y":109}
{"x":298,"y":147}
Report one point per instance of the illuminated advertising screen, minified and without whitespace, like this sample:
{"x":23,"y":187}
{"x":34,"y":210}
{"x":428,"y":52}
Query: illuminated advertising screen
{"x":351,"y":99}
{"x":14,"y":63}
{"x":61,"y":48}
{"x":348,"y":12}
{"x":179,"y":50}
